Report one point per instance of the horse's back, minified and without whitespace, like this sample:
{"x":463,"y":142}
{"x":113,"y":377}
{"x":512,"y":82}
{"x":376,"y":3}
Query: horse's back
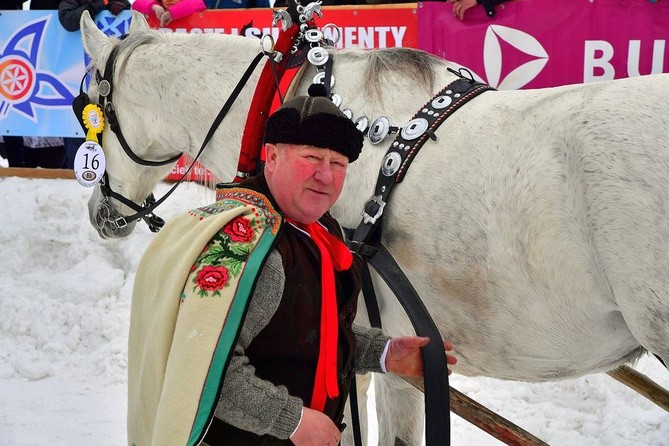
{"x":545,"y":214}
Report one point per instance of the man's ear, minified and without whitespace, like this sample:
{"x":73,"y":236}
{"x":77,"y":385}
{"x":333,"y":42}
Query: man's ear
{"x":270,"y":155}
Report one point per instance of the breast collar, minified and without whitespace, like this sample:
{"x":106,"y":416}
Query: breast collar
{"x":407,"y":144}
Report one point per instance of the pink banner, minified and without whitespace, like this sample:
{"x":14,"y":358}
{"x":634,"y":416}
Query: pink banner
{"x":542,"y":43}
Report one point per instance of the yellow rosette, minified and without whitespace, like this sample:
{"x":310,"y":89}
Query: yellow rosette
{"x":94,"y":121}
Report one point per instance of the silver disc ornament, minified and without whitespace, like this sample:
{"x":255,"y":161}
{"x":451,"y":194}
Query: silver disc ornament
{"x":391,"y":163}
{"x":320,"y":79}
{"x":317,"y":56}
{"x":414,"y":128}
{"x":378,"y":130}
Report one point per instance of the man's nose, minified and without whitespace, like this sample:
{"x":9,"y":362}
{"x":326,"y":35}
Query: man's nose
{"x":324,"y":172}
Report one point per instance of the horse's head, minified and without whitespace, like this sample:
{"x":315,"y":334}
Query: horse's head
{"x":135,"y":159}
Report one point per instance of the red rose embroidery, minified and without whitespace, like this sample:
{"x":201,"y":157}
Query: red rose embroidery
{"x":212,"y":278}
{"x":239,"y":230}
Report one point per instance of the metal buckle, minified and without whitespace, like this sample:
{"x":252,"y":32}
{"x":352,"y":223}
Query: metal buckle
{"x":378,"y":200}
{"x":120,"y":223}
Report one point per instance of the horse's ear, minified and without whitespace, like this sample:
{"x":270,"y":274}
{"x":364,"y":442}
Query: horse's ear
{"x":96,"y":43}
{"x":138,"y":23}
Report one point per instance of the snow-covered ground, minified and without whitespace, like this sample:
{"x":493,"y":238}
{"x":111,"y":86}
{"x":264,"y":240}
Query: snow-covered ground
{"x":64,"y":309}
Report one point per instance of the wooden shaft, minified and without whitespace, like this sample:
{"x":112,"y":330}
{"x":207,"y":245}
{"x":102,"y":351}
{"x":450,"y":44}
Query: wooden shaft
{"x":641,"y":384}
{"x":485,"y":419}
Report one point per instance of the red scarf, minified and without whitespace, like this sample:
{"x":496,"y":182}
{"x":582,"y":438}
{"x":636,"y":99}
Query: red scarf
{"x":335,"y":255}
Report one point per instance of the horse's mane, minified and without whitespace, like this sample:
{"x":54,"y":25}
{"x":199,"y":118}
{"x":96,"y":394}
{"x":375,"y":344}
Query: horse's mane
{"x":417,"y":64}
{"x":127,"y":45}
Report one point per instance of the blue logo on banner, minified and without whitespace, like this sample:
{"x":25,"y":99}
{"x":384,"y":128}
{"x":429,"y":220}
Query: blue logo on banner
{"x":41,"y":67}
{"x":22,"y":84}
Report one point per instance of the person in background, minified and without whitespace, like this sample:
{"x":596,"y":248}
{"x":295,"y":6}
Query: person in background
{"x":14,"y":151}
{"x":461,"y":6}
{"x":168,"y":10}
{"x":44,"y":151}
{"x":70,"y":11}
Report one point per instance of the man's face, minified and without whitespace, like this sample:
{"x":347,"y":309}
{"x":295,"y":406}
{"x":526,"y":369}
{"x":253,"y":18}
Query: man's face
{"x":305,"y":180}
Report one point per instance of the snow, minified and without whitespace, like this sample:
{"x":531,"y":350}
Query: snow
{"x":64,"y":310}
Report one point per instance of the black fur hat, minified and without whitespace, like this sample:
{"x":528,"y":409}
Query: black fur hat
{"x":314,"y":121}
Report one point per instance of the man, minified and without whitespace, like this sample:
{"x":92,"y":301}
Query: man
{"x":232,"y":361}
{"x":309,"y":144}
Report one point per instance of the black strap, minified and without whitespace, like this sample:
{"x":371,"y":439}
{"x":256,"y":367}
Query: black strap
{"x":106,"y":88}
{"x":355,"y":412}
{"x":407,"y":144}
{"x":435,"y":370}
{"x":366,"y":241}
{"x":369,"y":295}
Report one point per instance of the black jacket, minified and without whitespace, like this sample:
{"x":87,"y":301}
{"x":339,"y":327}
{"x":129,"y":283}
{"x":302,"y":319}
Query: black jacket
{"x":70,"y":11}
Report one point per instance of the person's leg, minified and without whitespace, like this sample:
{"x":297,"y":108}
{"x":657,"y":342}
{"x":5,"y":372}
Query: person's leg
{"x":71,"y":147}
{"x":14,"y":149}
{"x":51,"y":157}
{"x":31,"y":157}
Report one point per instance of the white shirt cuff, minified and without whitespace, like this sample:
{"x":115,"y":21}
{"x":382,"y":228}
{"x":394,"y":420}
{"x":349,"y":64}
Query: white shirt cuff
{"x":383,"y":357}
{"x":298,"y":423}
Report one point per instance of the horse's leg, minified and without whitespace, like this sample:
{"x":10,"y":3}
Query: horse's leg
{"x":646,"y":322}
{"x":362,"y":385}
{"x":400,"y":411}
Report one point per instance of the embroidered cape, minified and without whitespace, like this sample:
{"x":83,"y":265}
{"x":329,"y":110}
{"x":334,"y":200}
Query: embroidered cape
{"x":190,"y":297}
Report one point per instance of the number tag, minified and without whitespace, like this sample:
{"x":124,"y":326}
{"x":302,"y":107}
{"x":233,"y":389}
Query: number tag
{"x":89,"y":163}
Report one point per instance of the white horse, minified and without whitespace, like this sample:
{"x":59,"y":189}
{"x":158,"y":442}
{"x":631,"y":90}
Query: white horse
{"x":536,"y":227}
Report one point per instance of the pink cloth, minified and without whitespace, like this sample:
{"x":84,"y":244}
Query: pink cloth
{"x":179,"y":10}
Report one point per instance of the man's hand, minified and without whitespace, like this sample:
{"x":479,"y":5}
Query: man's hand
{"x":315,"y":429}
{"x":404,"y":358}
{"x":460,"y":6}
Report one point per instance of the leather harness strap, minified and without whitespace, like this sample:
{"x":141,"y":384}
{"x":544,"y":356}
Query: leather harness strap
{"x":407,"y":144}
{"x":366,"y":241}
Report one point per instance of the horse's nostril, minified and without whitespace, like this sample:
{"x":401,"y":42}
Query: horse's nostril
{"x":104,"y":212}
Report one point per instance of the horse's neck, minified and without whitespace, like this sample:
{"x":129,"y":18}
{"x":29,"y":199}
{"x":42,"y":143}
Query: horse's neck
{"x":234,"y":55}
{"x":398,"y":97}
{"x":185,"y":91}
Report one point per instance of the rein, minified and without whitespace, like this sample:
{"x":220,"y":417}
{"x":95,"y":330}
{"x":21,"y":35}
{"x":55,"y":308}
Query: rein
{"x":145,"y":210}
